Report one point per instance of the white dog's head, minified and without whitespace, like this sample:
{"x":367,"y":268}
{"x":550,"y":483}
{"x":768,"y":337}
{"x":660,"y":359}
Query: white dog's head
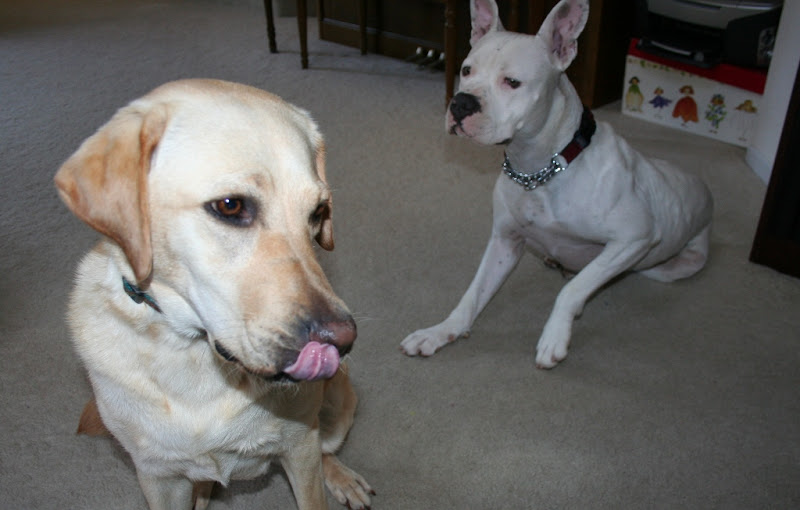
{"x":215,"y":192}
{"x":508,"y":79}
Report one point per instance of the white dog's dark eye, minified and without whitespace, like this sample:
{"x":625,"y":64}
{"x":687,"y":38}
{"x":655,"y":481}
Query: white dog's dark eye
{"x":234,"y":210}
{"x":511,"y":82}
{"x":466,"y":70}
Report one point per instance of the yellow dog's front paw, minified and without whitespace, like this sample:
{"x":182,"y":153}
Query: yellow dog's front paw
{"x":348,"y":487}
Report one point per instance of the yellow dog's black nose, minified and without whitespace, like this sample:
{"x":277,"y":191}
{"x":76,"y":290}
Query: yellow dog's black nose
{"x":340,"y":332}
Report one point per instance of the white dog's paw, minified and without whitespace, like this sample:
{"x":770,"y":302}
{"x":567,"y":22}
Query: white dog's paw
{"x":551,"y":350}
{"x":425,"y":342}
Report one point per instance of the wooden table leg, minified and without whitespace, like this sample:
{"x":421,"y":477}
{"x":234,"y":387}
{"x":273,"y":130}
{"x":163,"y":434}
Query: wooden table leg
{"x":513,"y":16}
{"x":302,"y":17}
{"x":362,"y":25}
{"x":273,"y":48}
{"x":449,"y":49}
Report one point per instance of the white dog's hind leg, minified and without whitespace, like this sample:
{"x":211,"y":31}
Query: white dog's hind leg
{"x":501,"y":256}
{"x":616,"y":258}
{"x":686,"y":263}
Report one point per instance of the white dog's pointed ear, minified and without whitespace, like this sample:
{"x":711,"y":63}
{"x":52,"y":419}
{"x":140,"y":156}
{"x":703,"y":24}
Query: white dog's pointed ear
{"x":561,"y":28}
{"x":105,"y":182}
{"x":484,"y":19}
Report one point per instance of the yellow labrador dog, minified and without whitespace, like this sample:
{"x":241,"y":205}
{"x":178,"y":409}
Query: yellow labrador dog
{"x":211,"y":336}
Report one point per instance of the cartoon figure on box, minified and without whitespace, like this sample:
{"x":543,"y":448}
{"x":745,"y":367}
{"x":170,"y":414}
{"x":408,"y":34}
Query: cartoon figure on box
{"x":743,"y":118}
{"x":634,"y":97}
{"x":715,"y":112}
{"x":686,"y":108}
{"x":659,"y":102}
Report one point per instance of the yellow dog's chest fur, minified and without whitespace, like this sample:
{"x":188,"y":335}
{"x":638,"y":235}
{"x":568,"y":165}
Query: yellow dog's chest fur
{"x":166,"y":398}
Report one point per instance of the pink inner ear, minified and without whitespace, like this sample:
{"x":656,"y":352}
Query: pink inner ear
{"x":477,"y":33}
{"x":568,"y":18}
{"x":482,"y":20}
{"x":566,"y":23}
{"x":558,"y":43}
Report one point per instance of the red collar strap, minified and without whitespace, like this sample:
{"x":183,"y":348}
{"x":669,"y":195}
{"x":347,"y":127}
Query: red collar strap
{"x":582,"y":138}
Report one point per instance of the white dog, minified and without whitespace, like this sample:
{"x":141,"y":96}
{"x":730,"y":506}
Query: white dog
{"x":609,"y":211}
{"x":210,"y":334}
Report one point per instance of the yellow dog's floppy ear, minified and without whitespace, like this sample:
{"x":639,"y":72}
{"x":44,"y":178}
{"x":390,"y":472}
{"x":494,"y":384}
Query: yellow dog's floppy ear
{"x":325,"y":235}
{"x":317,"y":143}
{"x":105,"y":182}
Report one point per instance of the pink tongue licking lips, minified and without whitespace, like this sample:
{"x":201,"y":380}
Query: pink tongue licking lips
{"x":315,"y":361}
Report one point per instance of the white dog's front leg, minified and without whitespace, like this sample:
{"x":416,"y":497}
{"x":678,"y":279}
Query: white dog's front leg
{"x":167,"y":493}
{"x":501,"y":256}
{"x":616,"y":258}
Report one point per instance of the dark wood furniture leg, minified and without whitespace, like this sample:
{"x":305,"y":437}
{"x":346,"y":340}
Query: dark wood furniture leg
{"x":449,"y":49}
{"x":302,"y":24}
{"x":777,"y":241}
{"x":513,"y":16}
{"x":302,"y":17}
{"x":273,"y":48}
{"x":362,"y":25}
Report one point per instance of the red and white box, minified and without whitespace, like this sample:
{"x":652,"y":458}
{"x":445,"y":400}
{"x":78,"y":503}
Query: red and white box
{"x":721,"y":102}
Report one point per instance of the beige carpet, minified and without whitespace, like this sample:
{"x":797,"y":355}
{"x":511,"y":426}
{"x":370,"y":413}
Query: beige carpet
{"x":681,"y":396}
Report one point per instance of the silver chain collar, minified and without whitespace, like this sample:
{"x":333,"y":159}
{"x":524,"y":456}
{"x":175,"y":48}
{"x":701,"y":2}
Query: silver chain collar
{"x":534,"y":180}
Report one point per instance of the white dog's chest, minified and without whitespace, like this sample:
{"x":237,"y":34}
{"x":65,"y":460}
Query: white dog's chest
{"x":548,"y":225}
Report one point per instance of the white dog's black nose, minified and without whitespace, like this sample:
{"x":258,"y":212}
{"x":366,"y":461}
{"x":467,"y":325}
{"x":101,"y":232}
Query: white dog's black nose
{"x":463,"y":105}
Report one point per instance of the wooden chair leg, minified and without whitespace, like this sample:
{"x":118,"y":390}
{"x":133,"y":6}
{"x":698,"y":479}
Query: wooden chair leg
{"x":302,"y":17}
{"x":513,"y":16}
{"x":362,"y":25}
{"x":449,"y":49}
{"x":273,"y":48}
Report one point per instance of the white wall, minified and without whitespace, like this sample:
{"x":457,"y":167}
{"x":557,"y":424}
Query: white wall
{"x":780,"y":80}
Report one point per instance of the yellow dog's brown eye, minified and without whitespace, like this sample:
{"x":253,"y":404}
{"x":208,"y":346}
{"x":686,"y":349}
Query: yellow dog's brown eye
{"x":233,"y":210}
{"x":229,"y":206}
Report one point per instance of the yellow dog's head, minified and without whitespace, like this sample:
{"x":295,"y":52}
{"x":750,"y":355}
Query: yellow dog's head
{"x":215,"y":192}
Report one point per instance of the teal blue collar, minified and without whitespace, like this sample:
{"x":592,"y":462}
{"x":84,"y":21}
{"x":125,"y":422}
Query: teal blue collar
{"x":138,"y":295}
